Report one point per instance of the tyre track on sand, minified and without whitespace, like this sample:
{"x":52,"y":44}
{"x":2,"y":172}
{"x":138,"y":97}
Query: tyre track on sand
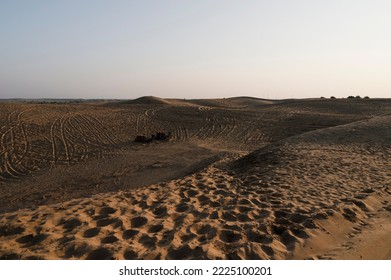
{"x":233,"y":124}
{"x":226,"y":125}
{"x":72,"y":145}
{"x":53,"y":141}
{"x":138,"y":124}
{"x":161,"y":123}
{"x":147,"y":120}
{"x":4,"y":155}
{"x":78,"y":147}
{"x":219,"y":127}
{"x":109,"y":133}
{"x":8,"y":128}
{"x":132,"y":120}
{"x":150,"y":121}
{"x":79,"y":136}
{"x":103,"y":138}
{"x":25,"y":143}
{"x":11,"y":160}
{"x":111,"y":137}
{"x":60,"y":149}
{"x":142,"y":118}
{"x":23,"y":136}
{"x":178,"y":131}
{"x":63,"y":137}
{"x":87,"y":135}
{"x":207,"y":129}
{"x":95,"y":133}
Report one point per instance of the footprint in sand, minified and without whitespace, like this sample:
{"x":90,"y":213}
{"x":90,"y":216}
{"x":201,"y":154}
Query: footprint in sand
{"x":160,"y":212}
{"x":182,"y":207}
{"x":91,"y":232}
{"x":214,"y":204}
{"x":185,"y":252}
{"x":106,"y":221}
{"x":155,"y":228}
{"x":107,"y":211}
{"x":202,"y":198}
{"x":299,"y":232}
{"x":188,"y":237}
{"x":349,"y":214}
{"x":130,"y":255}
{"x":76,"y":251}
{"x":229,"y":216}
{"x":191,"y":193}
{"x":11,"y":256}
{"x":258,"y":237}
{"x":9,"y":230}
{"x":100,"y":254}
{"x":148,"y":241}
{"x":109,"y":239}
{"x":199,"y":215}
{"x":229,"y":236}
{"x":288,"y":240}
{"x":268,"y":250}
{"x":129,"y":233}
{"x":166,"y":238}
{"x":71,"y":224}
{"x":201,"y":228}
{"x":244,"y":218}
{"x":138,"y":222}
{"x":31,"y":240}
{"x":243,"y":209}
{"x":214,"y":215}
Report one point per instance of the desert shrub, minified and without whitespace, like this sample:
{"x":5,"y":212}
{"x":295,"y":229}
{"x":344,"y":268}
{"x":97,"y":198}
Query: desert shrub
{"x":332,"y":97}
{"x":350,"y":96}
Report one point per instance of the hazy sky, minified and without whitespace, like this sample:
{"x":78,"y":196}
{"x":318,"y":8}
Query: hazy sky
{"x":195,"y":49}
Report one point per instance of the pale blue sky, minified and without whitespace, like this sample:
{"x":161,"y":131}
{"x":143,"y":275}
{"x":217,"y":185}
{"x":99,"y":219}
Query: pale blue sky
{"x":194,"y":49}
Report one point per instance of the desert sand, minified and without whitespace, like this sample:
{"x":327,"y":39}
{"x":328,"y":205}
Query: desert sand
{"x":240,"y":178}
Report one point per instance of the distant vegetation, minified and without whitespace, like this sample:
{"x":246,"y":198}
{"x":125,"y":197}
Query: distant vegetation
{"x":349,"y":97}
{"x":357,"y":97}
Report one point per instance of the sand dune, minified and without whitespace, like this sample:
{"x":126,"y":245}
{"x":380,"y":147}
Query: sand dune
{"x":148,"y":100}
{"x":290,"y":180}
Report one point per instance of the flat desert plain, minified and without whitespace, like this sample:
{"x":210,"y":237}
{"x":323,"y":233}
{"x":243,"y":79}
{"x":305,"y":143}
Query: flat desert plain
{"x":239,"y":178}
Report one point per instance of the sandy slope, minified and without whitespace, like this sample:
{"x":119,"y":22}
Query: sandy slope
{"x":323,"y":192}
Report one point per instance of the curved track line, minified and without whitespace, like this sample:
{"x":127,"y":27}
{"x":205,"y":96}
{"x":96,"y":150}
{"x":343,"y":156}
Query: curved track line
{"x":104,"y":131}
{"x":53,"y":141}
{"x":84,"y":130}
{"x":64,"y":140}
{"x":107,"y":131}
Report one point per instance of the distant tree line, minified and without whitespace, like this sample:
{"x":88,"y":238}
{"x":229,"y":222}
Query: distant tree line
{"x":349,"y":97}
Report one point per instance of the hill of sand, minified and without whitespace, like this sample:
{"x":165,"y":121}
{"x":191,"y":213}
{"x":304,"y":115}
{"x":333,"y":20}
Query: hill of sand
{"x":147,"y":100}
{"x":240,"y":178}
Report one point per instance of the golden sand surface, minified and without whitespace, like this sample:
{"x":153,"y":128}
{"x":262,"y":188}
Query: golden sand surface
{"x":239,"y":178}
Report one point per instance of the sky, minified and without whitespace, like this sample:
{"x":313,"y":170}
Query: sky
{"x":124,"y":49}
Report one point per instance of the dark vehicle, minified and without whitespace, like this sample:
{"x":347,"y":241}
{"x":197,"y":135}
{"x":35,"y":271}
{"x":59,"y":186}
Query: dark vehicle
{"x":160,"y":136}
{"x":142,"y":139}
